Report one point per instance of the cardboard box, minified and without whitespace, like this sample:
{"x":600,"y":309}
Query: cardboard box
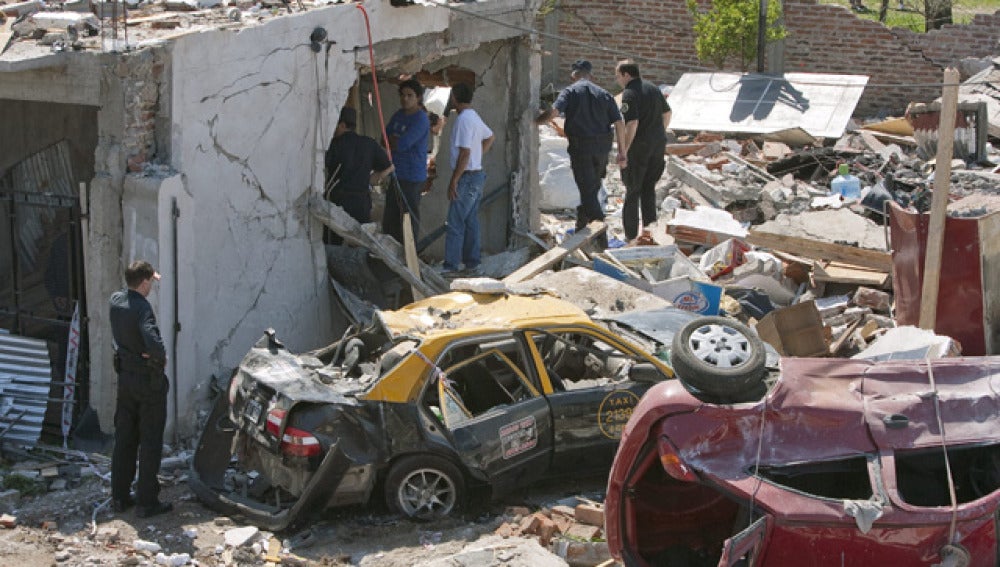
{"x":665,"y":272}
{"x":795,"y":331}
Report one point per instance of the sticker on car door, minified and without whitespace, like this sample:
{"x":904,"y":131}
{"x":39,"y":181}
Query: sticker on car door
{"x":616,"y":408}
{"x":518,"y":437}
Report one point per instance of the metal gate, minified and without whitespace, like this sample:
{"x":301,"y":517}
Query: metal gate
{"x":41,"y":276}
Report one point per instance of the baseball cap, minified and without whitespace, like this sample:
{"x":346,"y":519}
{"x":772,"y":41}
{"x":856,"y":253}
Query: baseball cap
{"x":581,"y":65}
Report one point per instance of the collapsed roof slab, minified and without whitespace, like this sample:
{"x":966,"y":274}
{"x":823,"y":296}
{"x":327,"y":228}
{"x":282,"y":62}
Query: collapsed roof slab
{"x":762,"y":104}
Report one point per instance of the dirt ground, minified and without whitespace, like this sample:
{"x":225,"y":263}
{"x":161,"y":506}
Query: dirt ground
{"x":56,"y":529}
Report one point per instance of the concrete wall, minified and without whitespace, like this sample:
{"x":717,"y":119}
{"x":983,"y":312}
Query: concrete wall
{"x":821,"y":39}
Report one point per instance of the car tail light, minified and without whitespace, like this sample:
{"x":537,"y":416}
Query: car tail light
{"x":294,"y":442}
{"x":672,"y":463}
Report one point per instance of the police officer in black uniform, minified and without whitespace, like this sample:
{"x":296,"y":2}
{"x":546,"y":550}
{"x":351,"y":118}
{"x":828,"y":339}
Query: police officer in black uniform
{"x":643,"y":108}
{"x":590,"y":113}
{"x":141,"y":411}
{"x":353,"y":164}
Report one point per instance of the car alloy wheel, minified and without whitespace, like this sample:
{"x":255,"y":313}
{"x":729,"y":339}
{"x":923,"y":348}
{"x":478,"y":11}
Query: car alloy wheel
{"x":424,"y":487}
{"x":719,"y":356}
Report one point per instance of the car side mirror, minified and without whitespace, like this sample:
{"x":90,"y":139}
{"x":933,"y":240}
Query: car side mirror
{"x":645,"y":372}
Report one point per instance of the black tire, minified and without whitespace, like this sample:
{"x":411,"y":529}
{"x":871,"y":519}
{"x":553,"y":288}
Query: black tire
{"x":719,"y":356}
{"x":424,"y":487}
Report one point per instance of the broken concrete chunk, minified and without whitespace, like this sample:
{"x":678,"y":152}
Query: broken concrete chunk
{"x":910,"y":343}
{"x":63,"y":20}
{"x":19,"y":9}
{"x":875,"y":299}
{"x":238,"y":537}
{"x":590,"y":514}
{"x":8,"y":521}
{"x":181,"y":5}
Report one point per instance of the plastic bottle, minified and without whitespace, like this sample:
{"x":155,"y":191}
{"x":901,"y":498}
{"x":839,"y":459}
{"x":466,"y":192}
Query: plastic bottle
{"x":846,"y":184}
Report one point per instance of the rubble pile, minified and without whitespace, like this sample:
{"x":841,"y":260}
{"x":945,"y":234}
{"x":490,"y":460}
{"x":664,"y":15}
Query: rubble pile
{"x":766,"y":232}
{"x":573,"y":531}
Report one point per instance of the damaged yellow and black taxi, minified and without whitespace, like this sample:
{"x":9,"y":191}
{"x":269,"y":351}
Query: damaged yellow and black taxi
{"x":424,"y":403}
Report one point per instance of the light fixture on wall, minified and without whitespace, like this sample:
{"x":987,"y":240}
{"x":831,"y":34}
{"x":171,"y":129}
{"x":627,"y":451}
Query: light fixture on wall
{"x":317,"y":38}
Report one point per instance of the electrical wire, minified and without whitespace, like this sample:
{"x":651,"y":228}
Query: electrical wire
{"x":944,"y":449}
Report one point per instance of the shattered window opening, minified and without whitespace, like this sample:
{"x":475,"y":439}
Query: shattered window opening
{"x":575,"y":360}
{"x":846,"y":479}
{"x":479,"y":377}
{"x":922,"y":481}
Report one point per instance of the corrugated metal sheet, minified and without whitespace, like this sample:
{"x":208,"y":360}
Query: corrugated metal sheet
{"x":761,"y":104}
{"x":47,"y":173}
{"x":25,"y":376}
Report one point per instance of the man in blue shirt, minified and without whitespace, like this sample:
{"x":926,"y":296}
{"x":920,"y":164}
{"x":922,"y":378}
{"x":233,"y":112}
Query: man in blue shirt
{"x":409,"y":135}
{"x":590,"y":113}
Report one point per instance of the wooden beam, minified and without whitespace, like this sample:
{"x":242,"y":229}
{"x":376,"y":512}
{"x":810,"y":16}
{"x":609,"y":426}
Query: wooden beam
{"x":383,"y":246}
{"x":555,"y":255}
{"x":410,"y":249}
{"x":939,"y":202}
{"x":819,"y":250}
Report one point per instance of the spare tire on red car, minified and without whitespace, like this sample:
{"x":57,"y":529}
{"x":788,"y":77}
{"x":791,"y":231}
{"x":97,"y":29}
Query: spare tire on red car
{"x":720,"y":357}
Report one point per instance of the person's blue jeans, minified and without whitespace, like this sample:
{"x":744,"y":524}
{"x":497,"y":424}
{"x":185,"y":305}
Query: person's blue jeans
{"x":461,"y":240}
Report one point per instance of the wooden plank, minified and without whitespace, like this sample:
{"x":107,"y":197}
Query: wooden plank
{"x":939,"y":202}
{"x":552,"y":257}
{"x":410,"y":250}
{"x":908,"y":141}
{"x":839,"y":272}
{"x":384,"y":247}
{"x":819,"y":250}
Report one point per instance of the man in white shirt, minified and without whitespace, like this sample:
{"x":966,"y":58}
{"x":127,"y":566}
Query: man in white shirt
{"x":470,"y":139}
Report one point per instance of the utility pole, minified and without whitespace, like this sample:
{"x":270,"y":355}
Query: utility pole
{"x":761,"y":35}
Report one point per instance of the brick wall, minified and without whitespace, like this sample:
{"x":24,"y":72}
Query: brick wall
{"x":821,"y":39}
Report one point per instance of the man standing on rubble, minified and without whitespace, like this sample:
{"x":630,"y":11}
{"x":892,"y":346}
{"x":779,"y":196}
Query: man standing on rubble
{"x":353,"y":164}
{"x":141,"y":407}
{"x":643,"y":107}
{"x":471,"y":138}
{"x":590,"y":113}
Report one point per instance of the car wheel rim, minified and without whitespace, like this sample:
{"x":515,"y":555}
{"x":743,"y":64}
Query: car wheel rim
{"x":426,"y":493}
{"x":720,"y":346}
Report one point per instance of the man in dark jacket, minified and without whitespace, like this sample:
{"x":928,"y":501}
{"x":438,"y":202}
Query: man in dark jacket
{"x":353,"y":164}
{"x":643,"y":108}
{"x":141,"y":411}
{"x":591,"y":115}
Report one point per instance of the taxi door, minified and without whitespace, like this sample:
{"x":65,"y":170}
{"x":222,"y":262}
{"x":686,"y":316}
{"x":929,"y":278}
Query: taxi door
{"x":500,"y":424}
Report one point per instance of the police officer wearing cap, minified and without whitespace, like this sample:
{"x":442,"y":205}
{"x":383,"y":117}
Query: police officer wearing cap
{"x":590,"y":113}
{"x":141,"y":409}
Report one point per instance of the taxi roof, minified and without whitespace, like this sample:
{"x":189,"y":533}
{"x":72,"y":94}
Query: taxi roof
{"x":457,"y":312}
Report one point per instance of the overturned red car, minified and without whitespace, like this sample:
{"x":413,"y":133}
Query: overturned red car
{"x":840,"y":462}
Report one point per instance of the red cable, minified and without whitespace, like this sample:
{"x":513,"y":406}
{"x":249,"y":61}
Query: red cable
{"x":378,"y":97}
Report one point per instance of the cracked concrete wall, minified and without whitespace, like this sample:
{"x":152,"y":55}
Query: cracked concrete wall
{"x":252,"y":112}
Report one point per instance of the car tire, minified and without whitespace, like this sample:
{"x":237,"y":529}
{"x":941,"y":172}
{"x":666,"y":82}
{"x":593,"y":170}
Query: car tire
{"x":424,"y":487}
{"x":720,"y":357}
